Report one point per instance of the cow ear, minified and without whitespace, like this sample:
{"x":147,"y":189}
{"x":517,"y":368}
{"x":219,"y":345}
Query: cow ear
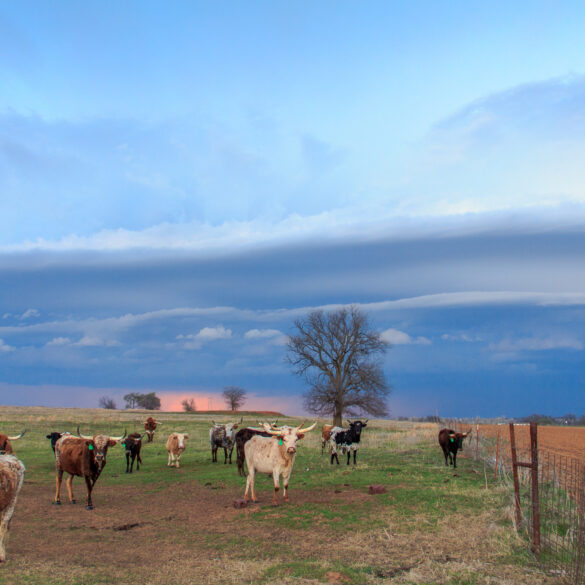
{"x":301,"y":436}
{"x":111,"y":443}
{"x":235,"y":426}
{"x":48,"y":436}
{"x":186,"y":436}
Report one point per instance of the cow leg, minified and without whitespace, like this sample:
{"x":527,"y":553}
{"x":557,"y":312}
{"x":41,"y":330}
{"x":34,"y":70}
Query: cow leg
{"x":177,"y":460}
{"x":69,"y":484}
{"x":89,"y":488}
{"x":128,"y":468}
{"x":58,"y":480}
{"x":336,"y":457}
{"x":348,"y":455}
{"x":455,"y":460}
{"x":231,"y":451}
{"x":170,"y":461}
{"x":224,"y":455}
{"x":276,"y":478}
{"x":5,"y":517}
{"x":138,"y":461}
{"x":354,"y":456}
{"x":250,"y":484}
{"x":214,"y":454}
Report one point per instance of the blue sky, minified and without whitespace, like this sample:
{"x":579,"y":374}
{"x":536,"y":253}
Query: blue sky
{"x":179,"y":183}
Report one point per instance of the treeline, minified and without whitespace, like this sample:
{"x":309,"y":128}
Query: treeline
{"x":541,"y":419}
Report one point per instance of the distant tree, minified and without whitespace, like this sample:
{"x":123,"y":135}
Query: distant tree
{"x":188,"y":404}
{"x":338,"y":355}
{"x":234,"y":397}
{"x":132,"y":399}
{"x":107,"y":402}
{"x":149,"y":401}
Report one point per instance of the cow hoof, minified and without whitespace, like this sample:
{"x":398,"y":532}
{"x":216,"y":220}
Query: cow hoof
{"x":90,"y":507}
{"x":74,"y":501}
{"x":57,"y":503}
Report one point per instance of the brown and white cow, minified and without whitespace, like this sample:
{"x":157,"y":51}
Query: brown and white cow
{"x":150,"y":426}
{"x":82,"y":456}
{"x":175,"y":447}
{"x":274,"y":455}
{"x":325,"y":436}
{"x":5,"y":445}
{"x":11,"y":478}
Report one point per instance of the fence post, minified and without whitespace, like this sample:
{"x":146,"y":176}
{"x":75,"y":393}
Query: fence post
{"x":497,"y":456}
{"x":476,"y":441}
{"x":580,"y":528}
{"x":515,"y":474}
{"x":535,"y":497}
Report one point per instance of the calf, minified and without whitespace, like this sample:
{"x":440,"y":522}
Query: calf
{"x":175,"y":447}
{"x":274,"y":455}
{"x":11,"y":478}
{"x":451,"y":442}
{"x":132,"y":445}
{"x":242,"y":437}
{"x":346,"y":440}
{"x":150,"y":426}
{"x":223,"y":436}
{"x":325,"y":436}
{"x":82,"y":456}
{"x":5,"y":445}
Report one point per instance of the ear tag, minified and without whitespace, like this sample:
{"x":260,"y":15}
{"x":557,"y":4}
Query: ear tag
{"x":90,"y":447}
{"x":280,"y":441}
{"x":452,"y":440}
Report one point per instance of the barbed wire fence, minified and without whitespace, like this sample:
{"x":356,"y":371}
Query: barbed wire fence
{"x":548,"y":491}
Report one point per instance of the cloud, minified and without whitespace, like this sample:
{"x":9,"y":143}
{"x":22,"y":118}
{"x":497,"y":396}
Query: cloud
{"x":28,"y":314}
{"x":537,"y":344}
{"x":4,"y":347}
{"x":274,"y":335}
{"x":206,"y":335}
{"x":59,"y":341}
{"x":88,"y":341}
{"x":460,"y":337}
{"x":396,"y":337}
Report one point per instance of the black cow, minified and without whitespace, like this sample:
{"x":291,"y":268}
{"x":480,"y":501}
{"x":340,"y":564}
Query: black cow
{"x":451,"y":442}
{"x":242,"y":437}
{"x":54,"y":437}
{"x":132,"y":445}
{"x":347,"y":440}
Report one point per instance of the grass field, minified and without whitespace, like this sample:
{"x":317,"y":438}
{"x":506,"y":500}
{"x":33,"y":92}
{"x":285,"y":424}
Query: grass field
{"x":163,"y":526}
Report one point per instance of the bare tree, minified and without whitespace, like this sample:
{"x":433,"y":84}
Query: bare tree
{"x":107,"y":402}
{"x":188,"y":404}
{"x":340,"y":357}
{"x":234,"y":397}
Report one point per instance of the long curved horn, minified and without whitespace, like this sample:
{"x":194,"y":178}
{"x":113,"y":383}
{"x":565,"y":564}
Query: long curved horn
{"x":301,"y":425}
{"x":17,"y":436}
{"x":119,"y":438}
{"x":270,"y":430}
{"x":308,"y":428}
{"x":82,"y":436}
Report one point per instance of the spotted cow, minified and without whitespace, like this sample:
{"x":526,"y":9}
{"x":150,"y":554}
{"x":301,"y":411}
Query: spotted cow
{"x":11,"y":479}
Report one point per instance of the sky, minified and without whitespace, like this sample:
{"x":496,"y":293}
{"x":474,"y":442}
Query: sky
{"x":180,"y":182}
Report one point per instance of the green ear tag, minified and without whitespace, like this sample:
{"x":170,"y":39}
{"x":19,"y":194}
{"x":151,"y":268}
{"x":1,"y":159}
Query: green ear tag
{"x":452,"y":440}
{"x":280,"y":442}
{"x":90,"y":447}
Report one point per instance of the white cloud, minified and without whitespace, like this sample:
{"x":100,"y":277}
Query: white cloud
{"x":89,"y":341}
{"x":4,"y":347}
{"x":28,"y":314}
{"x":205,"y":335}
{"x":537,"y":344}
{"x":276,"y":336}
{"x":460,"y":337}
{"x":397,"y":337}
{"x":59,"y":341}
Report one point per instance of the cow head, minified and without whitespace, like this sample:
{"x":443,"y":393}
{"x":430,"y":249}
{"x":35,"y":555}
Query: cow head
{"x":288,"y":436}
{"x":98,"y":446}
{"x":5,"y":446}
{"x":456,"y":439}
{"x":357,"y":425}
{"x":54,"y":437}
{"x":181,"y":438}
{"x":131,"y":440}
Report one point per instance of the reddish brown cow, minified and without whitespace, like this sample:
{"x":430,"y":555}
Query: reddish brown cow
{"x":451,"y":442}
{"x":11,"y":478}
{"x":150,"y":426}
{"x":5,"y":446}
{"x":84,"y":457}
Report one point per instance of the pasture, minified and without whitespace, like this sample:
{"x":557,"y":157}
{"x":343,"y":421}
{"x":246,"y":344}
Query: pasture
{"x":165,"y":526}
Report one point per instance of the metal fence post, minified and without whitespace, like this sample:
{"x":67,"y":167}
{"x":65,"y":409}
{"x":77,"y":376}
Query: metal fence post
{"x":515,"y":474}
{"x":535,"y":497}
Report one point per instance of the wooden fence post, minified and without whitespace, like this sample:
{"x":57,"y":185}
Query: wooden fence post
{"x":515,"y":474}
{"x":535,"y":496}
{"x":497,"y":456}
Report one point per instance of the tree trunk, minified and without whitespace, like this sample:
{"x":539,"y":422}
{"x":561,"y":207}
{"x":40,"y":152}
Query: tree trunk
{"x":338,"y":417}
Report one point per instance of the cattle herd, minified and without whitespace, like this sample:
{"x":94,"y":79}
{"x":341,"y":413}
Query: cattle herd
{"x":267,"y":448}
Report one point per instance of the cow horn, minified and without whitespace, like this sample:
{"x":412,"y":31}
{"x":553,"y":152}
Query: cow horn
{"x":82,"y":436}
{"x":308,"y":428}
{"x":270,"y":430}
{"x":300,"y":426}
{"x":119,"y":438}
{"x":241,"y":420}
{"x":17,"y":436}
{"x":452,"y":435}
